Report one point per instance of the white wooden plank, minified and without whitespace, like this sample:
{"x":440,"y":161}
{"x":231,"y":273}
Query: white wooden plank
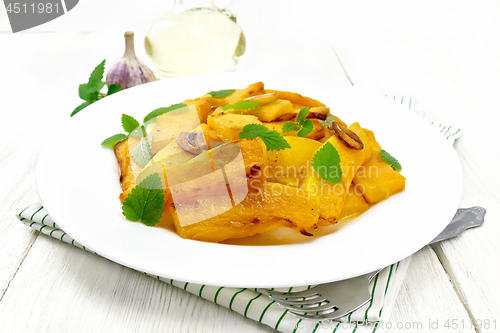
{"x":31,"y":110}
{"x":60,"y":288}
{"x":427,"y":301}
{"x":15,"y":239}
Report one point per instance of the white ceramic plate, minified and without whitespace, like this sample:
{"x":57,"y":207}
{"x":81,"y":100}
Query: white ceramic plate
{"x":78,"y":184}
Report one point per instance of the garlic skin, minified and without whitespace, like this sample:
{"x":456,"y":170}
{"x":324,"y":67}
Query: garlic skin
{"x":129,"y":71}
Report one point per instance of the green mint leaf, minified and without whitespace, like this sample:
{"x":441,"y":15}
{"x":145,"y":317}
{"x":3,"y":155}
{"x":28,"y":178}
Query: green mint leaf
{"x":158,"y":112}
{"x":145,"y":202}
{"x":83,"y":91}
{"x":327,"y":120}
{"x":307,"y":128}
{"x":137,"y":132}
{"x":80,"y":108}
{"x":302,"y":115}
{"x":290,"y":126}
{"x":129,"y":123}
{"x":141,"y":154}
{"x":390,"y":160}
{"x":326,"y":162}
{"x":113,"y":89}
{"x":99,"y":86}
{"x":272,"y":139}
{"x":95,"y":79}
{"x":221,"y":93}
{"x":241,"y":105}
{"x":113,"y":140}
{"x":89,"y":95}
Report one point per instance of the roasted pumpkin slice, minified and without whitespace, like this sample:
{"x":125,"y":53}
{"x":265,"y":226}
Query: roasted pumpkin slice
{"x":378,"y":180}
{"x":203,"y":107}
{"x":215,"y":218}
{"x":290,"y":166}
{"x":368,"y":138}
{"x":129,"y":170}
{"x":274,"y":110}
{"x":185,"y":175}
{"x":253,"y":89}
{"x":228,"y":126}
{"x":168,"y":126}
{"x":354,"y":203}
{"x":332,"y":196}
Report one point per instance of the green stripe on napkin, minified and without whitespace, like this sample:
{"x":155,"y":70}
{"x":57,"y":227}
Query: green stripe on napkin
{"x":449,"y":131}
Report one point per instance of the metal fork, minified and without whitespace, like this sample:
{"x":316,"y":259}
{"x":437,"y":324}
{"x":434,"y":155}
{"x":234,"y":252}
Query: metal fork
{"x":337,"y":299}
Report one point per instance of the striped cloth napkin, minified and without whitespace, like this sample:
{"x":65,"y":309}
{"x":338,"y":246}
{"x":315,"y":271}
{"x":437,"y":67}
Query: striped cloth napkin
{"x":370,"y":318}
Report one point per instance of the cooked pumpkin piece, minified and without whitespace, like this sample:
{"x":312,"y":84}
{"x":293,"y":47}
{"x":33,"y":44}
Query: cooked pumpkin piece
{"x":185,"y":175}
{"x":253,"y":89}
{"x":228,"y":126}
{"x":290,"y":166}
{"x":368,"y":138}
{"x":354,"y":203}
{"x":379,"y":180}
{"x":331,"y":197}
{"x":266,"y":209}
{"x":273,"y":110}
{"x":128,"y":169}
{"x":203,"y":107}
{"x":168,"y":126}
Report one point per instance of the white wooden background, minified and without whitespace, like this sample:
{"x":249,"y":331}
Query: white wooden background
{"x":445,"y":54}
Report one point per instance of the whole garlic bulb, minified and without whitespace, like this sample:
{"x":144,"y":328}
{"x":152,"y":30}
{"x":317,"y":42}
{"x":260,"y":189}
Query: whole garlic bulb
{"x":129,"y":71}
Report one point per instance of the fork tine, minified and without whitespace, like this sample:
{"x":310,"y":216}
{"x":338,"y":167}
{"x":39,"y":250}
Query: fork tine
{"x":320,"y":310}
{"x":294,"y":295}
{"x":330,"y":315}
{"x":300,"y":302}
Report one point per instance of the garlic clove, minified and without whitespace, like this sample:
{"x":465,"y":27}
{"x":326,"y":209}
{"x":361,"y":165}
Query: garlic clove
{"x":129,"y":71}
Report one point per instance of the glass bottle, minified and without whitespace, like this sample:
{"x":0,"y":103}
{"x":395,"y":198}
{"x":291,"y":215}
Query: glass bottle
{"x":194,"y":37}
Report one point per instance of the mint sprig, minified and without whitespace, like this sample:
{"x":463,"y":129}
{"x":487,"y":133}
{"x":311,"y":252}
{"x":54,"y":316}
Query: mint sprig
{"x":129,"y":123}
{"x":302,"y":115}
{"x":90,"y":92}
{"x":142,"y":154}
{"x":113,"y":89}
{"x":301,"y":124}
{"x":391,"y":160}
{"x":80,"y":107}
{"x":221,"y":93}
{"x":326,"y":162}
{"x":95,"y":79}
{"x":307,"y":128}
{"x":131,"y":126}
{"x":272,"y":139}
{"x":290,"y":126}
{"x":158,"y":112}
{"x":113,"y":140}
{"x":145,"y":202}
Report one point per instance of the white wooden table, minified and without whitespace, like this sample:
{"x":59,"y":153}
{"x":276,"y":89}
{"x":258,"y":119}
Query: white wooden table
{"x":446,"y":55}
